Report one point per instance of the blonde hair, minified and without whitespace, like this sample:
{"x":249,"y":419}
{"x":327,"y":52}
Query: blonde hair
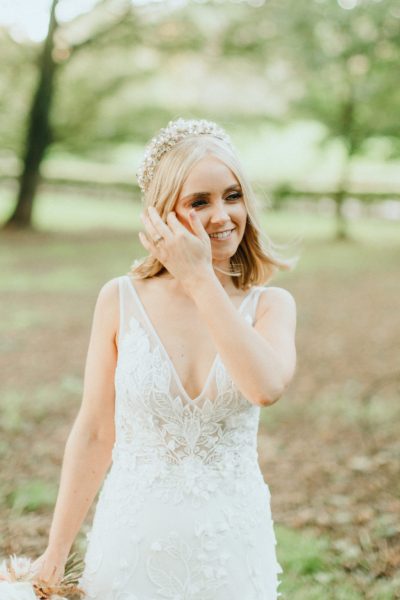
{"x":256,"y":257}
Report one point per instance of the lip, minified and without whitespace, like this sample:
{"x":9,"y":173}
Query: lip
{"x":223,"y":239}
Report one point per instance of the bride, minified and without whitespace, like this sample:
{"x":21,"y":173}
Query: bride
{"x":184,"y":351}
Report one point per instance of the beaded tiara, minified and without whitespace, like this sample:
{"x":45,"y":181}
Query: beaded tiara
{"x":167,"y":137}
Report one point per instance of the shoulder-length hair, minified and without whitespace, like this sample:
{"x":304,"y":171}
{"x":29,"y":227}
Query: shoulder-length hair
{"x":256,"y":259}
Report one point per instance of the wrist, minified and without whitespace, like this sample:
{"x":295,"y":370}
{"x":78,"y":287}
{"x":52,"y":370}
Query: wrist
{"x":203,"y":287}
{"x":58,"y":551}
{"x":205,"y":277}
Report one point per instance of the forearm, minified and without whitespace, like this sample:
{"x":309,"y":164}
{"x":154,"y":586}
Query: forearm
{"x":250,"y":359}
{"x":86,"y":460}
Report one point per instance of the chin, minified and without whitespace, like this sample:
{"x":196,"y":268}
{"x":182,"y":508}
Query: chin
{"x":220,"y":256}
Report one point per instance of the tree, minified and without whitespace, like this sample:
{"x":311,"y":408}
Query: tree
{"x":39,"y":130}
{"x":112,"y":35}
{"x":38,"y":133}
{"x":341,"y":63}
{"x":347,"y":66}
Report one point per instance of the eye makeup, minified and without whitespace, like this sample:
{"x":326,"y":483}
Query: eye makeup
{"x":202,"y":199}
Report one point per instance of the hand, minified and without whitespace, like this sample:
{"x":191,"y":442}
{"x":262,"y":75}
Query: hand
{"x":49,"y":568}
{"x":185,"y":255}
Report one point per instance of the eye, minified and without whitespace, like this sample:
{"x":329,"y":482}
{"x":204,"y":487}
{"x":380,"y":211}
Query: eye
{"x":197,"y":203}
{"x":231,"y":197}
{"x":234,"y":196}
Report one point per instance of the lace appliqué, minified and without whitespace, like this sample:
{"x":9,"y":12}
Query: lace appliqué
{"x":196,"y":571}
{"x":191,"y":463}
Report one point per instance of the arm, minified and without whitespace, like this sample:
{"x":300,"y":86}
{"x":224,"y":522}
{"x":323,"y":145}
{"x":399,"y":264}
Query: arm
{"x":261,"y":359}
{"x":88,"y":449}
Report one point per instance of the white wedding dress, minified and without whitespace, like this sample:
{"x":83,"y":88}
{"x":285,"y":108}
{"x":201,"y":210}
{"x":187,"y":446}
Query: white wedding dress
{"x":184,"y":512}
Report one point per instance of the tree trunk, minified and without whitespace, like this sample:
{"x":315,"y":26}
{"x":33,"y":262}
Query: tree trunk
{"x":341,"y":223}
{"x":38,"y":135}
{"x":347,"y":130}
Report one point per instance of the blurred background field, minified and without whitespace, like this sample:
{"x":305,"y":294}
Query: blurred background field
{"x":329,"y":448}
{"x":307,"y":92}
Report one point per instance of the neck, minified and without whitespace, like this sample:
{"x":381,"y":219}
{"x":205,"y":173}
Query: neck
{"x":224,"y":279}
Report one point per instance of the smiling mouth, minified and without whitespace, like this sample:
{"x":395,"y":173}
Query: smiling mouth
{"x":222,"y":235}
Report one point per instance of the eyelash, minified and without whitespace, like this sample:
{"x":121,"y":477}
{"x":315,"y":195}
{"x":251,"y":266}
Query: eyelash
{"x":235,"y":195}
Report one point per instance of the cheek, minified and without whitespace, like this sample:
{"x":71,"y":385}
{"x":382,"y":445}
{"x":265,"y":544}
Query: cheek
{"x":241,"y":215}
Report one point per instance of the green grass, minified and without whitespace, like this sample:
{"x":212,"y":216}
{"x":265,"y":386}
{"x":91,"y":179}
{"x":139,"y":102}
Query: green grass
{"x":21,"y":319}
{"x":31,"y":496}
{"x":75,"y":212}
{"x":307,"y":562}
{"x":312,"y":571}
{"x":11,"y":411}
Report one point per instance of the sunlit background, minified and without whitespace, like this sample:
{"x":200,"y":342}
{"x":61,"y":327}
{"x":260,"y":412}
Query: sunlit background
{"x":308,"y":91}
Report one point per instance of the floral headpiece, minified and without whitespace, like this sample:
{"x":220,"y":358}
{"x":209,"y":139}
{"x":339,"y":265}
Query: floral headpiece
{"x":167,"y":137}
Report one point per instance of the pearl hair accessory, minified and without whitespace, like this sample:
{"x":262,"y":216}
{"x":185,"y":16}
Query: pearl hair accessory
{"x":167,"y":137}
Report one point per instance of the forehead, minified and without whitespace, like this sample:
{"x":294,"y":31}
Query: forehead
{"x":208,"y":174}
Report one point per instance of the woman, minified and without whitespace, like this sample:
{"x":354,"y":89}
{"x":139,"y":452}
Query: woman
{"x":195,"y":346}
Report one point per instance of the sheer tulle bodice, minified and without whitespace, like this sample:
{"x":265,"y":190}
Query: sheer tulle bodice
{"x":184,"y":512}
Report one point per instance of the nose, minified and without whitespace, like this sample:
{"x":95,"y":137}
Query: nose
{"x":219,"y":213}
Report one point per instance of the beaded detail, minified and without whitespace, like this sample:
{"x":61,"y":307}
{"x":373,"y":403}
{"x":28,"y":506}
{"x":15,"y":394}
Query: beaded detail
{"x":167,"y":138}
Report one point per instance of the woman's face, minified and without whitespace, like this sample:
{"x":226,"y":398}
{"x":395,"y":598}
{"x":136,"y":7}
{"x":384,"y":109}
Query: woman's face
{"x":214,"y":192}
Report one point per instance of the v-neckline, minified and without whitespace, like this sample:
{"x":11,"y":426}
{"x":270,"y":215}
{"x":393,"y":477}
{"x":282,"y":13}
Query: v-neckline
{"x":172,"y":366}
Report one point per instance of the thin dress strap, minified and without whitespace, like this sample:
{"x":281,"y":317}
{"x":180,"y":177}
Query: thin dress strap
{"x":251,"y":306}
{"x":128,"y":307}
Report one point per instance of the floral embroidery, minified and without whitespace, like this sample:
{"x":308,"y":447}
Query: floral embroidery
{"x":184,"y":508}
{"x":195,"y":572}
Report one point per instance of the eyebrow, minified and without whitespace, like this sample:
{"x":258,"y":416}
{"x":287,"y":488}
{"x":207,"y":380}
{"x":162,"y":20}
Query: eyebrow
{"x":235,"y":186}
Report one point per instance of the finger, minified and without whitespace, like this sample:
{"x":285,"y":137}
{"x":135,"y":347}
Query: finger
{"x":145,"y":241}
{"x":197,"y":225}
{"x":175,"y":223}
{"x":158,"y":224}
{"x":150,"y":229}
{"x":50,"y":575}
{"x":36,"y":566}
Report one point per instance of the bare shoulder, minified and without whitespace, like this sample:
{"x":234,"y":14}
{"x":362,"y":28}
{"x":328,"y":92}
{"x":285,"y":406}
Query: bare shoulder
{"x":276,"y":295}
{"x":276,"y":299}
{"x":109,"y":292}
{"x":107,"y":304}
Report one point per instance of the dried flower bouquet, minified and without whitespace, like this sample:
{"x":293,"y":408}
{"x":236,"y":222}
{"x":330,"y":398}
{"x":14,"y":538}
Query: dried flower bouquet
{"x":17,"y":581}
